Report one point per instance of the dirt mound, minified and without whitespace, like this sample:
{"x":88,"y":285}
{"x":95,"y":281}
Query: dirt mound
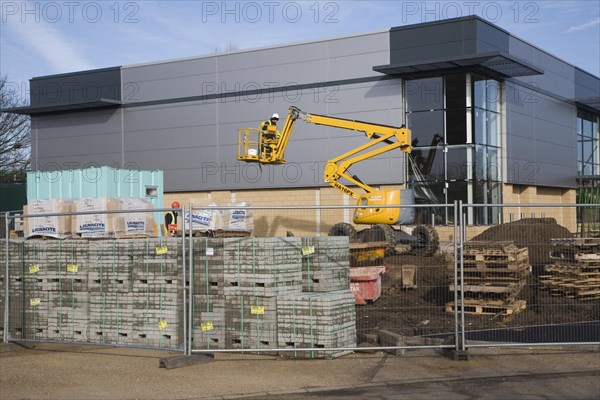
{"x":533,"y":233}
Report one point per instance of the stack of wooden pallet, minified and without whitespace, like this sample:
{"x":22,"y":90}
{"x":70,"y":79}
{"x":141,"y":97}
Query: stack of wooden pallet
{"x":575,"y":269}
{"x":494,"y":274}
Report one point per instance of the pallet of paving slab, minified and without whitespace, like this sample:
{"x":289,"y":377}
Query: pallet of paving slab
{"x":570,"y":248}
{"x":486,"y":307}
{"x":221,"y":233}
{"x":495,"y":254}
{"x":512,"y":288}
{"x":515,"y":275}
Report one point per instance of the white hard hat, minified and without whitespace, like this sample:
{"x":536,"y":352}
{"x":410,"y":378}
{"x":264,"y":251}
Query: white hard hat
{"x":275,"y":116}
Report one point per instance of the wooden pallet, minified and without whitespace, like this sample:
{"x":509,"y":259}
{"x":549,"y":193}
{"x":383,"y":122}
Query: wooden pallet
{"x":490,"y":255}
{"x":509,"y":292}
{"x":487,"y":307}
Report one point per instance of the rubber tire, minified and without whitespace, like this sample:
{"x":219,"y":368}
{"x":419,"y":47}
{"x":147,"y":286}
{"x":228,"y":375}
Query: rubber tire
{"x":384,"y":233}
{"x":428,"y":236}
{"x":343,"y":229}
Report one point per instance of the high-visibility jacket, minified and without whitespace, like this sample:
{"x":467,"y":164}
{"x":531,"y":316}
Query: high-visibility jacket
{"x":170,"y":218}
{"x":263,"y":127}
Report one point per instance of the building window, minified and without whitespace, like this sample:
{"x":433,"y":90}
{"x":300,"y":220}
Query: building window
{"x":455,"y":123}
{"x":588,"y":154}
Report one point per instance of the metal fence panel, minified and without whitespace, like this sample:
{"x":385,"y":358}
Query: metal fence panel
{"x":292,"y":289}
{"x":529,"y":280}
{"x":126,"y":291}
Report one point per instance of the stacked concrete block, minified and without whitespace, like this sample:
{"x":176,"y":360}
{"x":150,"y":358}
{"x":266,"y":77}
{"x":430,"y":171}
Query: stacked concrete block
{"x":158,"y":319}
{"x":251,"y":322}
{"x":317,"y":320}
{"x":209,"y":326}
{"x":99,"y":291}
{"x":325,"y":263}
{"x":68,"y":316}
{"x":262,"y":266}
{"x":29,"y":315}
{"x":111,"y":318}
{"x":208,"y":265}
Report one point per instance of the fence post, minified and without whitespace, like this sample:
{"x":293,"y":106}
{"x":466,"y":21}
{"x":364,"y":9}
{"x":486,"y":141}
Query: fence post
{"x":183,"y":275}
{"x":190,"y":327}
{"x":456,"y":249}
{"x":6,"y":278}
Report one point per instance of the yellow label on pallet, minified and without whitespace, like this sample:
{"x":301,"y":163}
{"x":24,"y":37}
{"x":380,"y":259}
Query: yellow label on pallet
{"x":34,"y":268}
{"x":257,"y":310}
{"x":308,"y":250}
{"x":160,"y":250}
{"x":207,"y":326}
{"x":34,"y":302}
{"x":72,"y":267}
{"x":162,"y":325}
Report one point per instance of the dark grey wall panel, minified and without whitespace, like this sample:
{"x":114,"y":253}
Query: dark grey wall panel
{"x":490,"y":38}
{"x":541,"y":142}
{"x":78,"y":161}
{"x":586,"y":85}
{"x":432,"y":40}
{"x":79,"y":124}
{"x":194,"y":114}
{"x":75,"y":88}
{"x":85,"y":137}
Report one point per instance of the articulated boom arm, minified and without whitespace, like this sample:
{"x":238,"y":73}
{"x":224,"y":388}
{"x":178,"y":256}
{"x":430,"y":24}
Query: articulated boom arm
{"x":336,"y":168}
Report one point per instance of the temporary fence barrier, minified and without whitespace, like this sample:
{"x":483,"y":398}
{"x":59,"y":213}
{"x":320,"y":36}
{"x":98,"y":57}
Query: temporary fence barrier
{"x":126,"y":291}
{"x":270,"y":280}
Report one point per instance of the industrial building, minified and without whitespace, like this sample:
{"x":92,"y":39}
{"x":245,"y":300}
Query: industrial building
{"x":494,"y":119}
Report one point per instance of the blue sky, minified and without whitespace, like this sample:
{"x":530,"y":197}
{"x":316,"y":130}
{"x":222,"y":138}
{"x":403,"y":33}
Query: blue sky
{"x":49,"y":37}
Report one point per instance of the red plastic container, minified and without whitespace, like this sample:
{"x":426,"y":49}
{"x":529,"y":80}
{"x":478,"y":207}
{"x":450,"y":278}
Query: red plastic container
{"x":365,"y":283}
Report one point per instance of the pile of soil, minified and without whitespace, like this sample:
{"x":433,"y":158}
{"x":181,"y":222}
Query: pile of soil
{"x":533,"y":233}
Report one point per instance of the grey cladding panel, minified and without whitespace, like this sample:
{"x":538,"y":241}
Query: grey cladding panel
{"x":443,"y":40}
{"x":266,"y":77}
{"x":555,"y":175}
{"x":171,"y":88}
{"x":519,"y":124}
{"x":520,"y":49}
{"x":82,"y":138}
{"x":93,"y":145}
{"x":548,"y":152}
{"x":490,"y":38}
{"x":171,"y":138}
{"x":194,"y":114}
{"x":168,"y":70}
{"x":373,"y":43}
{"x":354,"y":66}
{"x":363,"y":98}
{"x":287,"y":55}
{"x":540,"y":145}
{"x":188,"y":158}
{"x":79,"y":124}
{"x":76,"y":88}
{"x":586,"y":85}
{"x":78,"y":162}
{"x":520,"y":148}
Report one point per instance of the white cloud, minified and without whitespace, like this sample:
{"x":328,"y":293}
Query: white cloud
{"x":584,"y":26}
{"x":43,"y":41}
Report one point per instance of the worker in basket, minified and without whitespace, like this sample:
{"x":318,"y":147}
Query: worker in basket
{"x":270,"y":134}
{"x":171,"y":219}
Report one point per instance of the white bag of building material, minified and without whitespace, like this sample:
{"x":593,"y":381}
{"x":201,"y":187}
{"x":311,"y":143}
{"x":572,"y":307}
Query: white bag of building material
{"x":206,"y":219}
{"x":139,"y":223}
{"x":58,"y":227}
{"x":96,"y":225}
{"x":239,"y":219}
